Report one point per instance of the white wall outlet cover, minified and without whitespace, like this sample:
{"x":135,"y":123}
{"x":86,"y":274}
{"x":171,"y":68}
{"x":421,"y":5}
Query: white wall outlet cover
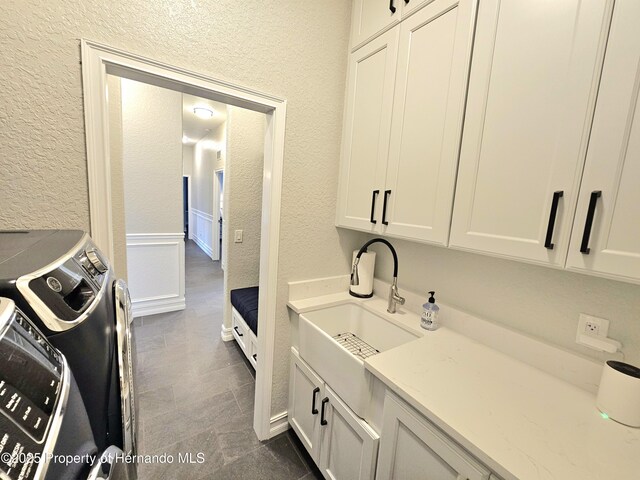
{"x":237,"y":236}
{"x":592,"y":325}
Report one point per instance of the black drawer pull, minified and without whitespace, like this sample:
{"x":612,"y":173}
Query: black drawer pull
{"x":314,"y":410}
{"x":374,"y":196}
{"x":407,"y":1}
{"x":392,"y":7}
{"x":323,"y":421}
{"x":238,"y":331}
{"x":552,"y":219}
{"x":255,"y":357}
{"x":591,"y":212}
{"x":384,"y":207}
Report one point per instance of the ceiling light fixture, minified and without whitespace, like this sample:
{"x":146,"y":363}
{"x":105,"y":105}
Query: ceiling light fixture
{"x":203,"y":112}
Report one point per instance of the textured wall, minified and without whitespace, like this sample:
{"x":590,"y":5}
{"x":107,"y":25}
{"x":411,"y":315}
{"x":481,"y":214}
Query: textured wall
{"x":187,"y":159}
{"x":117,"y":182}
{"x":539,"y":301}
{"x":242,"y":201}
{"x":290,"y":48}
{"x":152,"y":158}
{"x":204,"y":163}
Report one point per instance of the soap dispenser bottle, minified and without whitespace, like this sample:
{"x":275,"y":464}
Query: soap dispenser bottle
{"x":429,"y":319}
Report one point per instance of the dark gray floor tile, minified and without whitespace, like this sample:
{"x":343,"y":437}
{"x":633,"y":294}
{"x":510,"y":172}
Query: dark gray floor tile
{"x":156,"y":402}
{"x":245,"y":396}
{"x":144,"y":343}
{"x":236,"y":437}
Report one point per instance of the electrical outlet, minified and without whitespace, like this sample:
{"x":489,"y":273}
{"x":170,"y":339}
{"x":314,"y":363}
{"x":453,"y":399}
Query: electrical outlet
{"x":593,"y":325}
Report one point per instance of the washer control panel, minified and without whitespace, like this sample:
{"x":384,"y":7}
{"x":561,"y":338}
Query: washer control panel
{"x":32,"y":380}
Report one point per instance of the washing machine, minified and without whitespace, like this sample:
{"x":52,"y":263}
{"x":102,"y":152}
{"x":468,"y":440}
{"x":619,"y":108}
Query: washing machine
{"x":64,"y":284}
{"x":44,"y":428}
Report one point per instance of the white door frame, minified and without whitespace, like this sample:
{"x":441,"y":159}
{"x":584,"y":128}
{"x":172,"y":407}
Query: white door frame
{"x":216,"y":235}
{"x":97,"y":61}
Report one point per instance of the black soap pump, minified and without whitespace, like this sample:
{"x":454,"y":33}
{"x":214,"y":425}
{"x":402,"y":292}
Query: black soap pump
{"x":430,"y":310}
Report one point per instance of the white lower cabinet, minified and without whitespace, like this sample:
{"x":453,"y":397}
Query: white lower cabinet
{"x":343,"y":446}
{"x":412,"y":448}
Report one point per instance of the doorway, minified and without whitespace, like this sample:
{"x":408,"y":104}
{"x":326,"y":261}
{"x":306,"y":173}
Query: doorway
{"x":186,"y":204}
{"x":98,"y":61}
{"x":218,"y":209}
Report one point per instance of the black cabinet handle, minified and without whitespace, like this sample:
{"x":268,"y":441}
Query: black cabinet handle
{"x":595,"y":195}
{"x":374,"y":196}
{"x":238,"y":331}
{"x":255,"y":357}
{"x":407,"y":1}
{"x":391,"y":6}
{"x":384,"y":207}
{"x":323,"y":421}
{"x":314,"y":410}
{"x":552,"y":219}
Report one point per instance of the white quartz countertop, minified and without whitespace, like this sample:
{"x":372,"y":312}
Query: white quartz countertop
{"x":521,"y":422}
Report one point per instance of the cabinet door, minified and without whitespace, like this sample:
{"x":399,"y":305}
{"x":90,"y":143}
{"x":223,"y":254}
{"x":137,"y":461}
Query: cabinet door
{"x":431,"y":80}
{"x":371,"y":17}
{"x":306,"y":391}
{"x":365,"y":137}
{"x":349,"y":446}
{"x":410,"y":447}
{"x":531,"y":93}
{"x":611,"y":244}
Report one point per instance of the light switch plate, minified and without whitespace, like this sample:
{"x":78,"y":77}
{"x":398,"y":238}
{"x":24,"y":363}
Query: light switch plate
{"x":237,"y":236}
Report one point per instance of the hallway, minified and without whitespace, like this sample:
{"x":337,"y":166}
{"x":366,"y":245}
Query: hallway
{"x":196,"y":393}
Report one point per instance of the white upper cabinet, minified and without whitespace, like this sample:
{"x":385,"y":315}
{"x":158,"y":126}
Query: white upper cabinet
{"x":532,"y":89}
{"x":370,"y":17}
{"x":398,"y":176}
{"x":431,"y":81}
{"x":606,"y":234}
{"x":365,"y":136}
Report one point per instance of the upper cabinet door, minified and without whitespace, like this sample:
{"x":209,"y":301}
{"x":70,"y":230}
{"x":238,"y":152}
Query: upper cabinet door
{"x":531,"y":94}
{"x":371,"y":17}
{"x":365,"y":136}
{"x":606,"y":237}
{"x":428,"y":108}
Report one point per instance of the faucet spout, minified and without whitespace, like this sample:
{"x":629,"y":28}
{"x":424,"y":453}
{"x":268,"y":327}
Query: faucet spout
{"x":394,"y":296}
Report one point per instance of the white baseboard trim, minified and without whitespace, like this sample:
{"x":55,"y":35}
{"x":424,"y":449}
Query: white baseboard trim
{"x":226,"y":334}
{"x":279,"y":423}
{"x":203,"y":246}
{"x":154,"y":306}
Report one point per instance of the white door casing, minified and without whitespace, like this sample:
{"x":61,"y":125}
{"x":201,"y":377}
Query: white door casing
{"x":97,"y":61}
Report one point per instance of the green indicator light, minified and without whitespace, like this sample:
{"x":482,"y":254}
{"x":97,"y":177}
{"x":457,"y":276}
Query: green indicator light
{"x":604,"y":415}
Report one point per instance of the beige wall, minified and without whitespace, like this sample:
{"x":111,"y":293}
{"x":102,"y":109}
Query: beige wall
{"x":242,"y":201}
{"x":152,"y":158}
{"x":295,"y":50}
{"x":540,"y":301}
{"x":187,"y":159}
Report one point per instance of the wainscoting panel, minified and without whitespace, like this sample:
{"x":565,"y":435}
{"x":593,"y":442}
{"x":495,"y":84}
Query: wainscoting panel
{"x":155,"y":264}
{"x":203,"y":231}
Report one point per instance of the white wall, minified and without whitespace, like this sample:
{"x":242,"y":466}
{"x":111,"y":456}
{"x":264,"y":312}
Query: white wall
{"x":295,"y":50}
{"x":188,"y":151}
{"x":242,"y":201}
{"x":205,"y":162}
{"x":152,"y":168}
{"x":540,"y":301}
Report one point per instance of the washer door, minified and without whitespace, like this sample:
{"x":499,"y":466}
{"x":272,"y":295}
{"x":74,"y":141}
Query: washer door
{"x":125,"y":366}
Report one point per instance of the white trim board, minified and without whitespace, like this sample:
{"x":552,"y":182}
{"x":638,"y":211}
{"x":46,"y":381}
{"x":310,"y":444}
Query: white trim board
{"x":279,"y":424}
{"x":155,"y":262}
{"x":202,"y":231}
{"x":98,"y":60}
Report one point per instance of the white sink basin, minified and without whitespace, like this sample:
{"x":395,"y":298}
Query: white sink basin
{"x":342,"y":370}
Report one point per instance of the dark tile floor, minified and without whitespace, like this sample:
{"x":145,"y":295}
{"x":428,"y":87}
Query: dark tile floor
{"x":196,"y":393}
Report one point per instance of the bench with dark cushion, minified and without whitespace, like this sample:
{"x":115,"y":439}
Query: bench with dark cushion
{"x":245,"y":301}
